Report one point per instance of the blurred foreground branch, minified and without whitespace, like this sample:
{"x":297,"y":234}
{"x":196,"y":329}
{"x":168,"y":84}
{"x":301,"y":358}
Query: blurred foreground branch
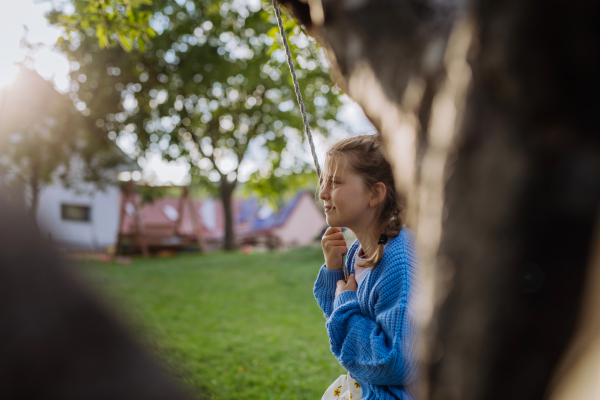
{"x":58,"y":341}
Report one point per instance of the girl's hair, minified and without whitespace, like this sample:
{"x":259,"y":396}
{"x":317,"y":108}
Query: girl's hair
{"x":364,"y":157}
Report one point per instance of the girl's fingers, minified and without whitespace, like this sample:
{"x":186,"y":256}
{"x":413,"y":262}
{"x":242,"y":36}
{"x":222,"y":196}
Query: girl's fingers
{"x":341,"y":249}
{"x":352,"y":282}
{"x":342,"y":286}
{"x":331,"y":230}
{"x":331,"y":243}
{"x":334,"y":236}
{"x":334,"y":247}
{"x":328,"y":242}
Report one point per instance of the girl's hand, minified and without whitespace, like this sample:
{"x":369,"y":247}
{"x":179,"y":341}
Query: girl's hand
{"x":342,"y":286}
{"x":334,"y":248}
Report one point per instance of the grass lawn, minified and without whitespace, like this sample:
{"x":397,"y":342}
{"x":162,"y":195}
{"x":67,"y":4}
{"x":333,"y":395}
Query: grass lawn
{"x":232,"y":326}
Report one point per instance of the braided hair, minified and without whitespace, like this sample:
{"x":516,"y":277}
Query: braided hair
{"x":365,"y":158}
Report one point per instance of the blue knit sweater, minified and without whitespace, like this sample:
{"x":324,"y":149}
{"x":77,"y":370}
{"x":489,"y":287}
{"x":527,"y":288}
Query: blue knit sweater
{"x":372,"y":331}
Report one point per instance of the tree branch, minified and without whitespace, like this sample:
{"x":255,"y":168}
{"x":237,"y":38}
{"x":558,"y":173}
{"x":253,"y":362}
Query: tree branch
{"x":211,"y":157}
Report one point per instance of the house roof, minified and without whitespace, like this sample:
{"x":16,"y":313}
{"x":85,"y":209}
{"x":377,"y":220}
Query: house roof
{"x":158,"y":213}
{"x":210,"y":214}
{"x":279,"y":218}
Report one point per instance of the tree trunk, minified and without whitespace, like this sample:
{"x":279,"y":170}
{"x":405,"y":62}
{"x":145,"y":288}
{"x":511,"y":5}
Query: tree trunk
{"x":226,"y":197}
{"x":503,"y":185}
{"x":34,"y":186}
{"x":521,"y":201}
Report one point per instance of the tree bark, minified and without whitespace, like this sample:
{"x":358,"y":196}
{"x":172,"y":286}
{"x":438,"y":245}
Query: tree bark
{"x":521,"y":201}
{"x":503,"y":191}
{"x":227,"y":189}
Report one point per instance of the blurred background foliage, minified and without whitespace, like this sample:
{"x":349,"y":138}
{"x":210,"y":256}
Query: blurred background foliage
{"x":123,"y":21}
{"x":44,"y":139}
{"x":206,"y":81}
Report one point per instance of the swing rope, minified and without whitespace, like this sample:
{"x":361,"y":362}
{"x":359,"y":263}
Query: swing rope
{"x":302,"y":109}
{"x":297,"y":88}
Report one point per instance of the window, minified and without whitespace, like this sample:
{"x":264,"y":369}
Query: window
{"x":71,"y":212}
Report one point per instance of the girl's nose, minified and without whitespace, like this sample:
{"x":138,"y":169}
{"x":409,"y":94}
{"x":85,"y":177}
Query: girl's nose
{"x":324,"y":193}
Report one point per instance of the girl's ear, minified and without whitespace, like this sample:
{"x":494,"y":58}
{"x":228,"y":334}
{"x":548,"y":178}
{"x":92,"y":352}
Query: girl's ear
{"x":378,"y":193}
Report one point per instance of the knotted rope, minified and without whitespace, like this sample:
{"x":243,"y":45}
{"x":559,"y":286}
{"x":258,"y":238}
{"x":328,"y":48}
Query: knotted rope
{"x":301,"y":104}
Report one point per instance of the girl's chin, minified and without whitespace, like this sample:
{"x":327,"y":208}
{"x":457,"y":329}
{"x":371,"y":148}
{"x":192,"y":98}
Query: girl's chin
{"x":331,"y":222}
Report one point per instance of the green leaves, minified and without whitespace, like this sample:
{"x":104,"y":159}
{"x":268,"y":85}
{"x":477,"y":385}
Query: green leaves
{"x":211,"y":85}
{"x":125,"y":41}
{"x":125,"y":22}
{"x":102,"y":37}
{"x":276,"y":189}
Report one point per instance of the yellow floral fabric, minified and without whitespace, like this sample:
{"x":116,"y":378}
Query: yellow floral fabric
{"x":344,"y":388}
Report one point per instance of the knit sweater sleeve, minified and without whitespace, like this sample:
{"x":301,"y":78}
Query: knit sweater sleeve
{"x":324,"y":289}
{"x":327,"y":279}
{"x":377,"y":351}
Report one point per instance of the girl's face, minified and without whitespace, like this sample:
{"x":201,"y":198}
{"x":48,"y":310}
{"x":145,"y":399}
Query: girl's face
{"x":346,"y":199}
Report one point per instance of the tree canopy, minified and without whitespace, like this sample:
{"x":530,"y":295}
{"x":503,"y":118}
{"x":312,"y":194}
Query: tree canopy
{"x":125,"y":22}
{"x":210,"y":85}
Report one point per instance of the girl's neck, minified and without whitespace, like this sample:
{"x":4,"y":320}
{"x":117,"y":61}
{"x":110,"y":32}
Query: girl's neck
{"x":367,"y":240}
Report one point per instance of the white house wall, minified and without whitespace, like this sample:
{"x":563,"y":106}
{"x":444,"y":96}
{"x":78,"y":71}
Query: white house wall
{"x":96,"y":234}
{"x":303,"y":225}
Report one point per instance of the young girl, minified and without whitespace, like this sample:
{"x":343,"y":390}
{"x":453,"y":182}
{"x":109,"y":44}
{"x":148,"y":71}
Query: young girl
{"x":369,"y":321}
